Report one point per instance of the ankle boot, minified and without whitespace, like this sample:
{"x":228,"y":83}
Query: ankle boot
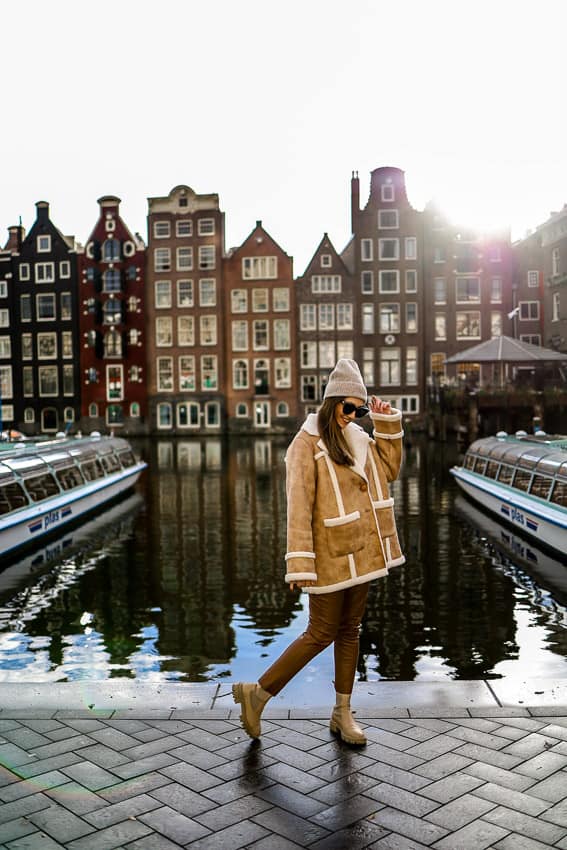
{"x":252,"y":699}
{"x":343,"y":722}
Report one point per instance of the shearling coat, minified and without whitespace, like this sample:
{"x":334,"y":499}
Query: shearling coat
{"x":340,"y":519}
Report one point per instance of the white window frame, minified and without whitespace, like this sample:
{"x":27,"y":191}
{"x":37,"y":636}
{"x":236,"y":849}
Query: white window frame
{"x":41,"y":372}
{"x":207,"y":257}
{"x":239,"y":301}
{"x":207,"y":292}
{"x":411,"y":376}
{"x":164,"y":331}
{"x":44,"y":272}
{"x":345,"y":316}
{"x":185,"y":330}
{"x":162,"y":259}
{"x":461,"y":280}
{"x":326,"y":283}
{"x":387,"y":356}
{"x":259,"y":268}
{"x":367,"y":318}
{"x":280,"y":299}
{"x":326,"y":316}
{"x":531,"y":307}
{"x":255,"y":329}
{"x":411,"y":288}
{"x":189,"y":297}
{"x":408,"y":320}
{"x":186,"y":366}
{"x":24,"y":271}
{"x":308,"y":354}
{"x":164,"y":374}
{"x":208,"y":330}
{"x":410,"y":247}
{"x":367,"y":282}
{"x":4,"y":317}
{"x":43,"y":243}
{"x":382,"y":243}
{"x":389,"y":314}
{"x":440,"y":319}
{"x":260,"y":300}
{"x":326,"y":261}
{"x":184,"y":258}
{"x":180,"y":225}
{"x":367,"y":250}
{"x":162,"y":294}
{"x":282,"y":373}
{"x":239,"y":335}
{"x":162,"y":229}
{"x":48,"y":339}
{"x":206,"y":227}
{"x":214,"y":369}
{"x":555,"y":305}
{"x":308,"y":317}
{"x":478,"y":316}
{"x":238,"y":370}
{"x":64,"y":269}
{"x":496,"y":290}
{"x":387,"y":193}
{"x":117,"y":369}
{"x":38,"y":298}
{"x":281,"y":329}
{"x":533,"y":279}
{"x":383,"y":214}
{"x":383,"y":275}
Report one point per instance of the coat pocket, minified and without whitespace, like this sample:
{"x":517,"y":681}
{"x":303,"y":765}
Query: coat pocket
{"x":385,"y":517}
{"x":344,"y":536}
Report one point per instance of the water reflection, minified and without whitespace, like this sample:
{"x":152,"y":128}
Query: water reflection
{"x":188,"y":585}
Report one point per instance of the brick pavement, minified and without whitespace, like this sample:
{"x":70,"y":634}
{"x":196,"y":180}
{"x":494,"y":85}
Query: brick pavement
{"x":158,"y":779}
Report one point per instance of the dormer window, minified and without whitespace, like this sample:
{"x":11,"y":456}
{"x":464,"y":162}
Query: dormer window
{"x":326,"y":261}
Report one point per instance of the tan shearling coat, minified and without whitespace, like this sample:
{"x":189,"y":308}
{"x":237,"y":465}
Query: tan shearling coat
{"x":340,"y":519}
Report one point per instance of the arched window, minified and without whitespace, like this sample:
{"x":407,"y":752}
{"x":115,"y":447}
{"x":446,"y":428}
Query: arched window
{"x":242,"y":409}
{"x":240,"y":374}
{"x":29,"y":415}
{"x":282,"y":409}
{"x":111,"y":250}
{"x":164,"y":419}
{"x":112,"y":344}
{"x":93,"y":409}
{"x":111,"y":312}
{"x":69,"y":414}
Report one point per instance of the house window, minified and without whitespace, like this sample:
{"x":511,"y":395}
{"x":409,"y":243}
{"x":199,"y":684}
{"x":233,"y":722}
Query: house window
{"x":164,"y":415}
{"x":345,"y":348}
{"x":164,"y":331}
{"x":112,"y":312}
{"x":112,"y":344}
{"x":555,"y":307}
{"x":440,"y":290}
{"x":186,"y":366}
{"x":162,"y":230}
{"x":281,"y":335}
{"x":344,"y":317}
{"x":389,"y":249}
{"x":259,"y":268}
{"x":533,"y":279}
{"x":326,"y":317}
{"x":114,"y":383}
{"x":439,"y":254}
{"x":307,"y":317}
{"x":368,"y":318}
{"x":135,"y":410}
{"x":411,"y":248}
{"x":495,"y":324}
{"x":240,"y":374}
{"x":389,"y":282}
{"x":555,"y":262}
{"x":239,"y":300}
{"x":185,"y":330}
{"x":212,"y":414}
{"x":367,"y":282}
{"x":468,"y":325}
{"x":496,"y":290}
{"x":240,"y":336}
{"x":366,"y":250}
{"x":163,"y":294}
{"x":162,"y":259}
{"x":440,"y":326}
{"x":280,"y":299}
{"x":29,"y":415}
{"x":368,"y":366}
{"x":6,"y":387}
{"x":206,"y":227}
{"x":93,"y":410}
{"x":529,"y":311}
{"x":326,"y":354}
{"x":389,"y":366}
{"x":47,"y":346}
{"x":207,"y":292}
{"x":184,"y":227}
{"x":282,"y":409}
{"x":209,"y":372}
{"x":533,"y":339}
{"x":308,"y":388}
{"x":208,"y":330}
{"x":467,"y":290}
{"x":45,"y":307}
{"x":388,"y":219}
{"x":207,"y":257}
{"x":111,"y":281}
{"x":389,"y":318}
{"x":184,"y":293}
{"x":44,"y":272}
{"x":27,"y":347}
{"x":3,"y":289}
{"x":387,"y":192}
{"x":260,"y":300}
{"x":411,"y":365}
{"x":437,"y":364}
{"x":5,"y":346}
{"x":411,"y":280}
{"x":165,"y":374}
{"x":308,"y":355}
{"x":262,"y":414}
{"x":24,"y":271}
{"x":494,"y":254}
{"x":66,"y":312}
{"x":282,"y":370}
{"x":111,"y":251}
{"x":64,"y":269}
{"x":322,"y":283}
{"x":241,"y":410}
{"x":25,"y":308}
{"x":184,"y":259}
{"x":260,"y":334}
{"x":43,"y":244}
{"x":411,"y":317}
{"x":5,"y":318}
{"x":326,"y":261}
{"x":67,"y":344}
{"x":48,"y":381}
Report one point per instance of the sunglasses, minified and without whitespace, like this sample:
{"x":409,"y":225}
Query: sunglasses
{"x":359,"y":412}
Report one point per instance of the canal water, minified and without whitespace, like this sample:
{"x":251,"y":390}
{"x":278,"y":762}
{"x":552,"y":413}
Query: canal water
{"x":183,"y":581}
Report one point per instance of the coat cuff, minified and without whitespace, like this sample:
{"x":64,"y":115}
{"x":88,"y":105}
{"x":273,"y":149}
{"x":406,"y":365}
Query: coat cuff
{"x":387,"y":425}
{"x":300,"y":566}
{"x":300,"y":577}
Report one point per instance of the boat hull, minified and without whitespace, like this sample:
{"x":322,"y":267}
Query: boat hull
{"x":536,"y":519}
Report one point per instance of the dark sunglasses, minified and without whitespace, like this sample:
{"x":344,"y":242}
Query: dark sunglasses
{"x":359,"y":412}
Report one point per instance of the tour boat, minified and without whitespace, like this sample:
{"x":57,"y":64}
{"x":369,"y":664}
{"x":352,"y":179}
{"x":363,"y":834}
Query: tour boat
{"x":49,"y":484}
{"x":522,"y":479}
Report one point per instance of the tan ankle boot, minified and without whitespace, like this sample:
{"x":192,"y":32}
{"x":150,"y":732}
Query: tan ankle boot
{"x":343,"y":722}
{"x":252,"y":698}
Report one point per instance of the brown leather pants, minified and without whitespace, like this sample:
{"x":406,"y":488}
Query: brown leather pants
{"x":333,"y":617}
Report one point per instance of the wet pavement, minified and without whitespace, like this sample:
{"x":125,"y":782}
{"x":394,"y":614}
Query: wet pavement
{"x":126,"y":764}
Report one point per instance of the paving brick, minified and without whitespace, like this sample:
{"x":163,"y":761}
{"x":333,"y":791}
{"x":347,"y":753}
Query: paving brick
{"x":57,"y":748}
{"x":499,"y":711}
{"x":13,"y":756}
{"x":112,"y":837}
{"x":531,"y":745}
{"x":141,"y":714}
{"x":460,"y":812}
{"x":442,"y":766}
{"x":297,"y":740}
{"x":542,"y":765}
{"x":191,"y":776}
{"x":495,"y":757}
{"x":27,"y":739}
{"x":76,"y":798}
{"x":80,"y":714}
{"x":378,"y":752}
{"x":506,"y":778}
{"x":256,"y":760}
{"x":23,"y":807}
{"x":437,"y":746}
{"x":230,"y":813}
{"x":127,"y":726}
{"x":520,"y":842}
{"x":303,"y":805}
{"x":103,"y":756}
{"x":512,"y":733}
{"x":131,"y":787}
{"x":90,"y":775}
{"x":512,"y":799}
{"x":238,"y":835}
{"x":410,"y":826}
{"x":418,"y":733}
{"x":182,"y":799}
{"x":249,"y":783}
{"x":293,"y":778}
{"x":23,"y":789}
{"x":174,"y":825}
{"x":393,"y":841}
{"x":296,"y":758}
{"x":218,"y":727}
{"x":60,"y":824}
{"x":357,"y":836}
{"x":153,"y":842}
{"x":397,"y":798}
{"x":45,"y":765}
{"x":525,"y":824}
{"x":451,"y":787}
{"x":84,"y":726}
{"x":297,"y":829}
{"x":162,"y":744}
{"x":388,"y":739}
{"x":434,"y":724}
{"x":344,"y":788}
{"x":7,"y":725}
{"x":42,"y":726}
{"x":16,"y":828}
{"x":395,"y":776}
{"x":340,"y":759}
{"x":147,"y":765}
{"x":558,"y":813}
{"x":273,"y":842}
{"x":114,"y":738}
{"x":34,"y":841}
{"x":474,"y":836}
{"x":197,"y":756}
{"x":529,"y":724}
{"x":553,"y":789}
{"x":124,"y":810}
{"x":171,"y":727}
{"x":476,"y":736}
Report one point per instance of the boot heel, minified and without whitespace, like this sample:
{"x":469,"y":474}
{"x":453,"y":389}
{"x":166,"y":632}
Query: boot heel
{"x":334,"y":727}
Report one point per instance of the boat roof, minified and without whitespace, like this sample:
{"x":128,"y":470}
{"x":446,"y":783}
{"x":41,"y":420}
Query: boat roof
{"x":57,"y":452}
{"x":548,"y":455}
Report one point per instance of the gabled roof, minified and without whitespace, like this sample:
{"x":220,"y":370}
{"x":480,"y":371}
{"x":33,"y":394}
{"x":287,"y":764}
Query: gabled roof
{"x":325,"y":246}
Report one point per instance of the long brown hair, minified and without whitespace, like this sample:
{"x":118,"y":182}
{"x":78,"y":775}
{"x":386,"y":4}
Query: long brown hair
{"x":332,"y":433}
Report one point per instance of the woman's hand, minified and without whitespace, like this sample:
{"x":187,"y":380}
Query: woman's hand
{"x":376,"y":405}
{"x":301,"y":583}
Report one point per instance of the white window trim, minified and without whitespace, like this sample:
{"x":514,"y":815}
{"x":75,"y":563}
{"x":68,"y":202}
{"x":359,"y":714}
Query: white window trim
{"x":381,"y":243}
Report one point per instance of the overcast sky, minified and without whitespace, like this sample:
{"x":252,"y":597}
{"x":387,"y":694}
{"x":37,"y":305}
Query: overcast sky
{"x":273,"y":105}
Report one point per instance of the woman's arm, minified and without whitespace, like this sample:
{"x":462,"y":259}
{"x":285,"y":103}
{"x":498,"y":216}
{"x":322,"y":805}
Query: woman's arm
{"x":388,"y":433}
{"x":301,"y":481}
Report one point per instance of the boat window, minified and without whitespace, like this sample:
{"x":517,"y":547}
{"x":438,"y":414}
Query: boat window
{"x":127,"y":458}
{"x":550,"y":464}
{"x":41,"y":487}
{"x":506,"y":474}
{"x":541,"y":485}
{"x":69,"y":478}
{"x":110,"y":463}
{"x":522,"y":479}
{"x":559,"y":494}
{"x":492,"y":469}
{"x":480,"y":465}
{"x":12,"y":497}
{"x":92,"y":470}
{"x":469,"y":461}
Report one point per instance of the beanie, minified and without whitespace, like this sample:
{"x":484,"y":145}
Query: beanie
{"x":345,"y":380}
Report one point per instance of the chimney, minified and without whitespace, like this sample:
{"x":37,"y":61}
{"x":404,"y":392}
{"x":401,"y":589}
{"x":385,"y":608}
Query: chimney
{"x":354,"y":200}
{"x":16,"y":235}
{"x":42,"y":208}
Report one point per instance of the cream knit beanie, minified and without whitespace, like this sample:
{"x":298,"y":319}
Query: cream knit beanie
{"x":345,"y":380}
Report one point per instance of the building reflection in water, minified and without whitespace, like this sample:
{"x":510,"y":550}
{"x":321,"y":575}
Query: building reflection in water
{"x":191,"y":588}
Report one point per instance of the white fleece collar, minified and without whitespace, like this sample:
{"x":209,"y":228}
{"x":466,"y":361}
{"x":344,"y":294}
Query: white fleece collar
{"x":356,"y":438}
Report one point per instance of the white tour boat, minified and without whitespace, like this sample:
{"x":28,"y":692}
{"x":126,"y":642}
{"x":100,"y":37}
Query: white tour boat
{"x":523,"y":480}
{"x":47,"y":485}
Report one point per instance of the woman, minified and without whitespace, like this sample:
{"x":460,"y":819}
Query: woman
{"x":341,"y":534}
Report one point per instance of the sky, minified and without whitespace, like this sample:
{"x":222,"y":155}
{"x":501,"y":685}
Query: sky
{"x":272,"y":105}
